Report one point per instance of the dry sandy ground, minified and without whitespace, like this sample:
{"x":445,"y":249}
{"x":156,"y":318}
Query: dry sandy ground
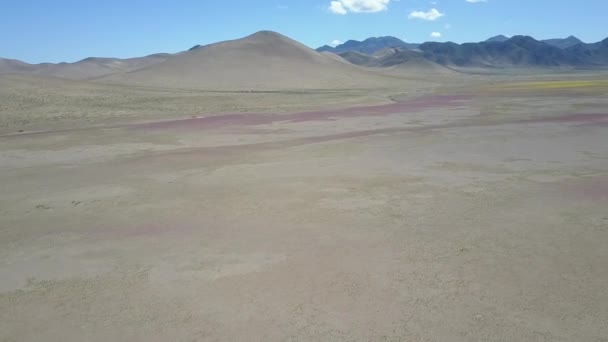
{"x":32,"y":103}
{"x":477,"y":213}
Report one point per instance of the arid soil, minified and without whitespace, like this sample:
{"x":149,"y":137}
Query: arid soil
{"x":461,"y":212}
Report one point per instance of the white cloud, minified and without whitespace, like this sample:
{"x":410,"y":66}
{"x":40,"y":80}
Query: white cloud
{"x":476,"y":1}
{"x":431,"y":15}
{"x":436,"y":34}
{"x":358,"y":6}
{"x":335,"y":42}
{"x":337,"y":7}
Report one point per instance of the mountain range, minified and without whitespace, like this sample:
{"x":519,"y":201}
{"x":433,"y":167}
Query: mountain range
{"x":269,"y":60}
{"x":562,"y":43}
{"x":518,"y":51}
{"x":372,"y":45}
{"x":496,"y":52}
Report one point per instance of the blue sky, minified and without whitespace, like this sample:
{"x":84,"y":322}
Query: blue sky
{"x":69,"y":30}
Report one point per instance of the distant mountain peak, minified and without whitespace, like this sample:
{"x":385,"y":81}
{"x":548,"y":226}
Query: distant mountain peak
{"x":325,"y":48}
{"x":266,"y":33}
{"x":520,"y":37}
{"x":564,"y":43}
{"x":498,"y":39}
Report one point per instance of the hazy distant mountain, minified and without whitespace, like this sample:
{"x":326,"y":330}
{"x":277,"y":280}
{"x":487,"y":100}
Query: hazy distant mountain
{"x":564,"y":43}
{"x":334,"y":56}
{"x":14,"y":66}
{"x":357,"y":58}
{"x":385,"y":52}
{"x":396,"y":59}
{"x":500,"y":38}
{"x":87,"y":68}
{"x":369,"y":46}
{"x":94,"y":67}
{"x":518,"y":51}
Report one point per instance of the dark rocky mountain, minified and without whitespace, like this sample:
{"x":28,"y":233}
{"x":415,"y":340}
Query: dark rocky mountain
{"x":369,"y":46}
{"x":592,"y":54}
{"x":496,"y":52}
{"x":518,"y":51}
{"x":564,"y":43}
{"x":325,"y":48}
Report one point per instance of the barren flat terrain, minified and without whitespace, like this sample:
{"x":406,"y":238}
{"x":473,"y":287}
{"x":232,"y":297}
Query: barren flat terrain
{"x":461,"y":208}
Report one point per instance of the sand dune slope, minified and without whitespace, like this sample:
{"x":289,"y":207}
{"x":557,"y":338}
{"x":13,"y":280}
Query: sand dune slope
{"x":264,"y":60}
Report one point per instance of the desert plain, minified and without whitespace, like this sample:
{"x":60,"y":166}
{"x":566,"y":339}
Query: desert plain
{"x":439,"y":207}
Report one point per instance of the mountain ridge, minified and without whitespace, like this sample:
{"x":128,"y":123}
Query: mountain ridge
{"x":271,"y":58}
